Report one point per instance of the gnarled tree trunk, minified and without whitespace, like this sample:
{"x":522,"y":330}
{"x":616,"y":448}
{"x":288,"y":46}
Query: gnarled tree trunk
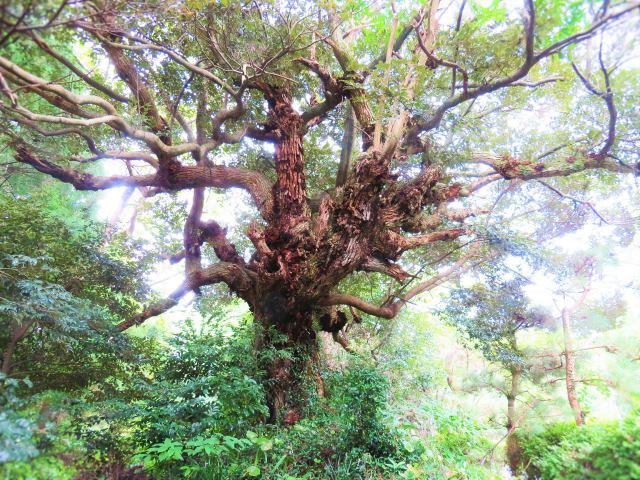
{"x":288,"y":349}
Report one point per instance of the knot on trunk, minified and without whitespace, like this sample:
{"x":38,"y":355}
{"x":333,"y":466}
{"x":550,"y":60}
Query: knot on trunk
{"x":333,"y":321}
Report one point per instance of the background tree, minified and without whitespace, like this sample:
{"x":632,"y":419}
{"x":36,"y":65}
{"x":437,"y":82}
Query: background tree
{"x":491,"y":314}
{"x":249,"y":96}
{"x":583,"y":306}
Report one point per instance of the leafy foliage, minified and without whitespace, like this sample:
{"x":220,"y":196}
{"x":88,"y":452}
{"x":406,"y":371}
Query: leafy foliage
{"x":60,"y":290}
{"x":596,"y":451}
{"x":491,"y":313}
{"x":30,"y":443}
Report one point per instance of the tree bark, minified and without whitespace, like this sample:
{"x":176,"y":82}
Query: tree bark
{"x":7,"y":357}
{"x":570,"y":367}
{"x":290,"y":188}
{"x":17,"y":333}
{"x":346,"y":151}
{"x":513,"y":448}
{"x":288,"y":349}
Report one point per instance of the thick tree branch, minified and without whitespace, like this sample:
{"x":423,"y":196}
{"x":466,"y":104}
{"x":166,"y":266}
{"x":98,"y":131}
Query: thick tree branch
{"x":144,"y":101}
{"x":71,"y":102}
{"x":512,"y":168}
{"x":212,"y":233}
{"x":607,"y":96}
{"x":233,"y":275}
{"x":155,"y":309}
{"x":91,"y":144}
{"x":523,"y":83}
{"x":159,"y":143}
{"x":381,"y":265}
{"x":6,"y":90}
{"x":57,"y":89}
{"x":399,"y":41}
{"x":438,"y":61}
{"x":144,"y":45}
{"x":332,"y":91}
{"x":179,"y":177}
{"x":408,"y":243}
{"x":351,"y":85}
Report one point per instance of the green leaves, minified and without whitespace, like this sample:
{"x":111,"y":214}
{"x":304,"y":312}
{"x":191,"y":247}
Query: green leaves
{"x":263,"y":443}
{"x":494,"y":12}
{"x":597,"y":451}
{"x":253,"y":471}
{"x":58,"y":278}
{"x":491,"y":313}
{"x":208,"y":446}
{"x":167,"y":450}
{"x":566,"y":16}
{"x":195,"y":454}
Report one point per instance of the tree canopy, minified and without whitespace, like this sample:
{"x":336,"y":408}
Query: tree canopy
{"x":319,"y":161}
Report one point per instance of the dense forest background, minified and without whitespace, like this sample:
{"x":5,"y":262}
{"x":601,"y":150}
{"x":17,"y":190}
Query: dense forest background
{"x":488,"y":327}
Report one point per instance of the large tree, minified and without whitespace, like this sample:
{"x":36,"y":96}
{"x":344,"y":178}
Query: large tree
{"x":263,"y":96}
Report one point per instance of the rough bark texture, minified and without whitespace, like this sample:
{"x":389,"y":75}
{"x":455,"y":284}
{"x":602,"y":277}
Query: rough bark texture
{"x":289,"y":352}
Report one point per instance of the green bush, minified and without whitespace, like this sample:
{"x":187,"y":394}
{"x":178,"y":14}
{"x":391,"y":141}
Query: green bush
{"x":204,"y":384}
{"x":360,"y":395}
{"x":198,"y":412}
{"x":17,"y":442}
{"x":208,"y":383}
{"x":345,"y":436}
{"x":455,"y":446}
{"x":40,"y":468}
{"x":599,"y":451}
{"x":33,"y":444}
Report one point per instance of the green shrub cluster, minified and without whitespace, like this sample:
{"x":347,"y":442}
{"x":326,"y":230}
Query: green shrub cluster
{"x":351,"y":434}
{"x":343,"y":436}
{"x":199,"y":411}
{"x":455,"y":446}
{"x":29,"y":448}
{"x":599,"y":451}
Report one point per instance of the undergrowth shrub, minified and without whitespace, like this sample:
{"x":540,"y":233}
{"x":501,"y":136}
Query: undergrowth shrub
{"x":360,"y":395}
{"x":456,"y":446}
{"x":198,"y":412}
{"x":343,"y":437}
{"x":33,"y":444}
{"x":598,"y":451}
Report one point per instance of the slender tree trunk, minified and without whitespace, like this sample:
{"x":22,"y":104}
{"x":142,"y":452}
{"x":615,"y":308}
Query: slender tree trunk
{"x":7,"y":357}
{"x":449,"y":367}
{"x":570,"y":367}
{"x":17,"y":334}
{"x":513,"y":449}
